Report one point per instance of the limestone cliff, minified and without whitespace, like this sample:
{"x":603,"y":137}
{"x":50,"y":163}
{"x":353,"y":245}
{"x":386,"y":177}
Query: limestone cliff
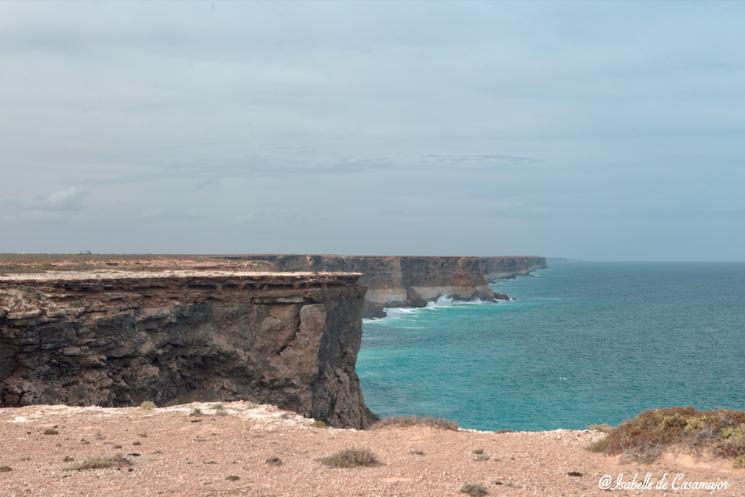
{"x":411,"y":281}
{"x":119,"y":338}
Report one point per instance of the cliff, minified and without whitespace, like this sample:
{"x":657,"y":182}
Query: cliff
{"x":411,"y":281}
{"x":119,"y":338}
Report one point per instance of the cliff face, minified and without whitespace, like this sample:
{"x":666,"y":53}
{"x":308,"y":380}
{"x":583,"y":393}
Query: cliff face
{"x":122,"y":338}
{"x":411,"y":281}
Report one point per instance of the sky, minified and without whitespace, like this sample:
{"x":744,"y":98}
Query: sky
{"x":594,"y":130}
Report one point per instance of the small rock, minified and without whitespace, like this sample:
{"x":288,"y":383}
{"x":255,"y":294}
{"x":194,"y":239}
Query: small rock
{"x":274,"y":461}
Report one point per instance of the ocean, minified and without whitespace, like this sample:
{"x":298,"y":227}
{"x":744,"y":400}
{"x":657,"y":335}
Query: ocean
{"x":583,"y":343}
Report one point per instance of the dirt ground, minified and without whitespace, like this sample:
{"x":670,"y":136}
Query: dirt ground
{"x":228,"y":451}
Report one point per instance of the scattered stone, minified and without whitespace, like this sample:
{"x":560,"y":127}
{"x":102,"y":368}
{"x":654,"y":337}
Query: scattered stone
{"x":574,"y":473}
{"x":274,"y":461}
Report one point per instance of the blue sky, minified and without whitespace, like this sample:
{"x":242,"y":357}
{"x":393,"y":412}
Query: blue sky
{"x":599,"y":130}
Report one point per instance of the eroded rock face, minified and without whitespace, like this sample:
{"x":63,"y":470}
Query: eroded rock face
{"x":285,"y":339}
{"x":411,"y":281}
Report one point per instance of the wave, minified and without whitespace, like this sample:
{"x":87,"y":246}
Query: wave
{"x":442,"y":302}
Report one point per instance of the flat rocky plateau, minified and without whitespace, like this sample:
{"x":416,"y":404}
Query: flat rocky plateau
{"x":227,"y":450}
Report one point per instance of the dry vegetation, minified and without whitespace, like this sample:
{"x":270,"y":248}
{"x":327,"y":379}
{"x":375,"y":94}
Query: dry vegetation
{"x":474,"y":490}
{"x":116,"y":461}
{"x":351,"y":458}
{"x":407,"y":421}
{"x":644,"y":437}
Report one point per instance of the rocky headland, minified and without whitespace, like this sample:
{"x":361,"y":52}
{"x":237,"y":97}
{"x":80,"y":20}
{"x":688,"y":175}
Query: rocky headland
{"x":118,"y":338}
{"x":276,"y":329}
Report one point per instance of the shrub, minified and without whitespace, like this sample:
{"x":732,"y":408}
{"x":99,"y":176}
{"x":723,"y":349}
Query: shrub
{"x":408,"y":421}
{"x":148,"y":405}
{"x":739,"y":462}
{"x":5,"y":469}
{"x":319,"y":423}
{"x":474,"y":490}
{"x":351,"y":458}
{"x":644,"y":437}
{"x":51,"y":431}
{"x":100,"y":463}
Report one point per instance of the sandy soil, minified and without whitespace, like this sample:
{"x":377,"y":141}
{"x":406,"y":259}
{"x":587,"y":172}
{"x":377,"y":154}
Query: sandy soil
{"x":173,"y":453}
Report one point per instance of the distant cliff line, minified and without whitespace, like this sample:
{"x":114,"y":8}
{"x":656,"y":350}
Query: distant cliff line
{"x":410,"y":281}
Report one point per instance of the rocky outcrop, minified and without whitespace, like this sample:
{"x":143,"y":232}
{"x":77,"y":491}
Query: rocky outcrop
{"x":411,"y":281}
{"x":118,"y":339}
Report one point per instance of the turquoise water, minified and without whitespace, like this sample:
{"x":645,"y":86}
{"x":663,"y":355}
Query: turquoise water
{"x":584,"y":343}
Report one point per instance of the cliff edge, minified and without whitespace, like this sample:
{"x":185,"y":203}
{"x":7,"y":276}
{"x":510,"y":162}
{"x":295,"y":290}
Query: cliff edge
{"x":118,"y":338}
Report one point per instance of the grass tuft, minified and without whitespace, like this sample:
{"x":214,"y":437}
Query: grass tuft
{"x":319,"y":423}
{"x":474,"y":490}
{"x":408,"y":421}
{"x":351,"y":458}
{"x":117,"y":461}
{"x":148,"y":405}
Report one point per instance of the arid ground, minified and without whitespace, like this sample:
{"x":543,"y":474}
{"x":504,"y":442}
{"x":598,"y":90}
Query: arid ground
{"x":246,"y":449}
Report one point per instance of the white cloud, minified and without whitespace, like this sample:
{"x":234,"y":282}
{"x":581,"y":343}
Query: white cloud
{"x":68,"y":199}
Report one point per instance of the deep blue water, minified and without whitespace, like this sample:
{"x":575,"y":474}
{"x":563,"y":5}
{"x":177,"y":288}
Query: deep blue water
{"x":584,"y":343}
